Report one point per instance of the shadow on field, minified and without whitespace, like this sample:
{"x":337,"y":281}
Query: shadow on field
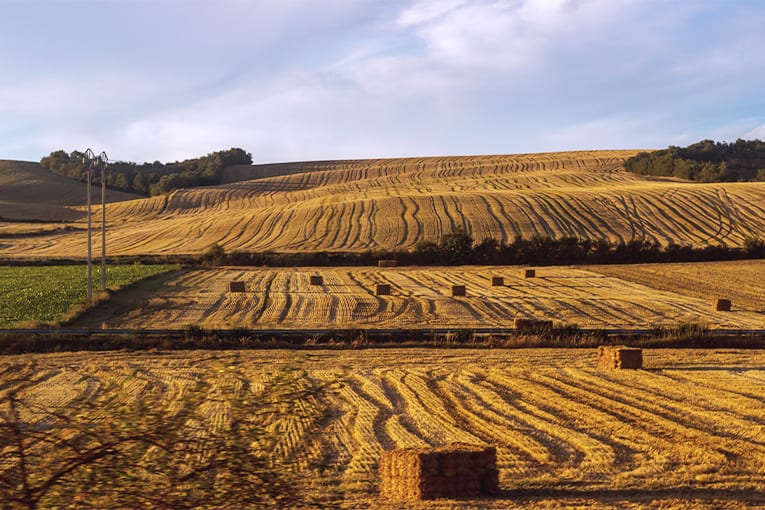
{"x":716,"y":368}
{"x":701,"y":494}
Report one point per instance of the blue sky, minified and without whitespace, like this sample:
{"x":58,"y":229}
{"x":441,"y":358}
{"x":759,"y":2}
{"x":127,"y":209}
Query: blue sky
{"x":292,"y":80}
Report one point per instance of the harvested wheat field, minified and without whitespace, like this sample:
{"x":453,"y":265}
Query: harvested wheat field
{"x":284,"y":298}
{"x":741,"y":281}
{"x":688,"y":431}
{"x":395,"y":203}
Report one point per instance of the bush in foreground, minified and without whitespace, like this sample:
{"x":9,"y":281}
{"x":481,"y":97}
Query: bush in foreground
{"x":120,"y":450}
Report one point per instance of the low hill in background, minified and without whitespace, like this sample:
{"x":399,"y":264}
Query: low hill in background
{"x":146,"y":179}
{"x":239,"y":173}
{"x":396,"y":203}
{"x":28,"y":192}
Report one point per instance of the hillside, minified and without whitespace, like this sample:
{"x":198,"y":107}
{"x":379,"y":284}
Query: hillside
{"x":29,"y":192}
{"x":395,"y":203}
{"x":239,"y":173}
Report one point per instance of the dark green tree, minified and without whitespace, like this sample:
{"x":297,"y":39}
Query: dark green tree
{"x":706,"y":161}
{"x":457,"y":246}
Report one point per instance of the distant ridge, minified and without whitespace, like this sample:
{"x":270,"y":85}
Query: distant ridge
{"x":358,"y":205}
{"x":29,"y":192}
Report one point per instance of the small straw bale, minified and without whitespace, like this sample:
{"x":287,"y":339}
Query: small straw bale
{"x":457,"y":470}
{"x":497,"y":281}
{"x":617,"y":357}
{"x":387,"y":263}
{"x":459,"y":290}
{"x":382,"y":289}
{"x":721,"y":305}
{"x":317,"y":280}
{"x":236,"y":287}
{"x":528,"y":273}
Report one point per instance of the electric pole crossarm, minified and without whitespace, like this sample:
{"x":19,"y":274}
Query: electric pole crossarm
{"x":90,"y":161}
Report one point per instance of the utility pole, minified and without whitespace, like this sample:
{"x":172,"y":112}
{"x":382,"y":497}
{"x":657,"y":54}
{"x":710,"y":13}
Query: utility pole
{"x":87,"y":160}
{"x":102,"y":159}
{"x":90,"y":160}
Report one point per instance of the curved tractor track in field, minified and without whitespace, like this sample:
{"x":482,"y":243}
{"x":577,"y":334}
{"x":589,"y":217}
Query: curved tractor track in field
{"x":690,"y":425}
{"x":395,"y":203}
{"x":420,"y":298}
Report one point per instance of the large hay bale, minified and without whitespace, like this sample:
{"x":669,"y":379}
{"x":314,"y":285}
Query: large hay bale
{"x":497,"y":281}
{"x":528,"y":273}
{"x":721,"y":305}
{"x":236,"y":287}
{"x":617,"y":357}
{"x":454,"y":471}
{"x":382,"y":289}
{"x":459,"y":290}
{"x":317,"y":280}
{"x":387,"y":263}
{"x":526,"y":324}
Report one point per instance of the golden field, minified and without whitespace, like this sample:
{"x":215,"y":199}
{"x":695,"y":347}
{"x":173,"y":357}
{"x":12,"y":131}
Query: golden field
{"x":283,"y":298}
{"x":688,"y":431}
{"x":743,"y":281}
{"x":395,"y":203}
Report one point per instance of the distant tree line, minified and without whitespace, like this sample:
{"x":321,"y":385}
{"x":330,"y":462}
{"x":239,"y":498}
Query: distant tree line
{"x":705,"y":161}
{"x":459,"y":248}
{"x":150,"y":178}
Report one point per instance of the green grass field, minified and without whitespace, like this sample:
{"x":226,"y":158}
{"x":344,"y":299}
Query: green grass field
{"x":44,"y":294}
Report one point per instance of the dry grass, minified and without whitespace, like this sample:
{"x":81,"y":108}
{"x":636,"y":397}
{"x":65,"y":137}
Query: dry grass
{"x":686,"y":432}
{"x":395,"y":203}
{"x":742,"y":281}
{"x":420,"y":298}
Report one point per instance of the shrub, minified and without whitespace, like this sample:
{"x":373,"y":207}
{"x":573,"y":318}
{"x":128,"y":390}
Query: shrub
{"x":118,"y":451}
{"x":215,"y":255}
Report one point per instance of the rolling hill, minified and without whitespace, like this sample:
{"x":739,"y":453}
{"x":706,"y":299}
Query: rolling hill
{"x":30,"y":193}
{"x":394,"y":203}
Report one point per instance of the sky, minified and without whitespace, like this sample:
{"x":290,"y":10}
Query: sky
{"x":298,"y":80}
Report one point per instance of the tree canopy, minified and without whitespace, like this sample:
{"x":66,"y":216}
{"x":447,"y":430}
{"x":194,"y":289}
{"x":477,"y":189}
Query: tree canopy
{"x":705,"y":161}
{"x":150,"y":178}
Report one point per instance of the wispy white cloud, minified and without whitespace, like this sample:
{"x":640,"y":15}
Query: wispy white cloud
{"x":512,"y":34}
{"x":299,"y":79}
{"x":756,"y":133}
{"x":423,"y":11}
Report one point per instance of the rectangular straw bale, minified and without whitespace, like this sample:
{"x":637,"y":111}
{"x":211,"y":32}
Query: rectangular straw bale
{"x":387,"y":263}
{"x":317,"y":280}
{"x":721,"y":305}
{"x":453,"y":471}
{"x":382,"y":289}
{"x":458,"y":290}
{"x":630,"y":358}
{"x":497,"y":281}
{"x":528,"y":273}
{"x":236,"y":287}
{"x":619,"y":357}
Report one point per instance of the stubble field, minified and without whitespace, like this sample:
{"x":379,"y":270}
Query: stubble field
{"x":742,"y":280}
{"x":283,"y":298}
{"x":686,"y":432}
{"x":395,"y":203}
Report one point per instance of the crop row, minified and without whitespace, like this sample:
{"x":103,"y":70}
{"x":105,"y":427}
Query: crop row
{"x":44,"y":293}
{"x":691,"y":420}
{"x":420,"y":298}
